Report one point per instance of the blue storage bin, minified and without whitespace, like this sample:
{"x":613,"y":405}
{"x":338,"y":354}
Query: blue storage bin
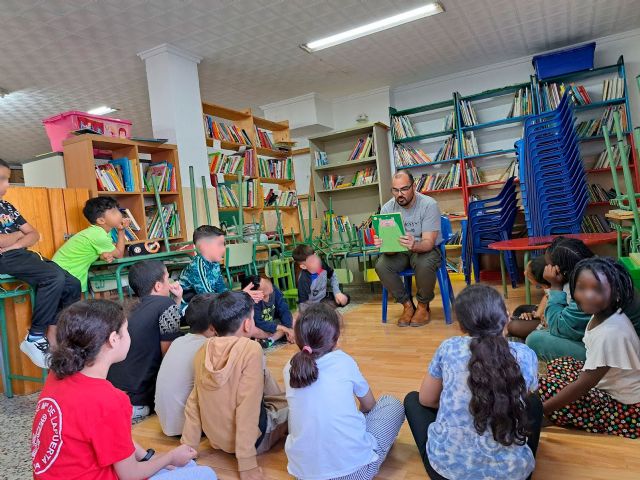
{"x":564,"y":61}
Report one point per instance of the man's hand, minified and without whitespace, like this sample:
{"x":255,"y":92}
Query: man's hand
{"x":553,"y":276}
{"x":256,"y":295}
{"x":377,"y":241}
{"x":176,"y":290}
{"x":253,"y":474}
{"x":126,"y":222}
{"x":341,"y":299}
{"x":407,"y":241}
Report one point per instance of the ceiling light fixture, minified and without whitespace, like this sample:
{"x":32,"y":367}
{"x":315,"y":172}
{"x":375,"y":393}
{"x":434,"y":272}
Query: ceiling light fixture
{"x":103,"y":110}
{"x":377,"y":26}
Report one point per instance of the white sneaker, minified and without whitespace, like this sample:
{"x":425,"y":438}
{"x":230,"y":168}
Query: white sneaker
{"x":38,"y":351}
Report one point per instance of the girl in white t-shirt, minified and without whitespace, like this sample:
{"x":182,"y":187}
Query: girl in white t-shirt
{"x":601,"y":395}
{"x":329,"y":437}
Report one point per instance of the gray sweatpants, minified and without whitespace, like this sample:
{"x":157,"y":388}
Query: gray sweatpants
{"x":424,"y":264}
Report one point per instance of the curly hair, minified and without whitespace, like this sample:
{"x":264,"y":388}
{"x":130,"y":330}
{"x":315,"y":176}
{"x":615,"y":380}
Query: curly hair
{"x":566,"y":253}
{"x":498,"y":390}
{"x":622,"y":291}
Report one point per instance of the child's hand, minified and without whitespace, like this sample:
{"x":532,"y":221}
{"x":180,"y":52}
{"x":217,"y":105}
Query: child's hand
{"x":176,"y":290}
{"x":107,"y":257}
{"x":256,"y":295}
{"x":529,"y":316}
{"x":253,"y":474}
{"x":553,"y":276}
{"x":126,"y":222}
{"x":341,"y":299}
{"x":182,"y":455}
{"x":291,"y":337}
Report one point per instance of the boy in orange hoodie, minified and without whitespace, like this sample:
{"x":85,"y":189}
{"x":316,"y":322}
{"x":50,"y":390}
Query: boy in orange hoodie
{"x":235,"y":401}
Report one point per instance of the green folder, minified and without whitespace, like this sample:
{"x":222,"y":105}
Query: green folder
{"x":389,"y":228}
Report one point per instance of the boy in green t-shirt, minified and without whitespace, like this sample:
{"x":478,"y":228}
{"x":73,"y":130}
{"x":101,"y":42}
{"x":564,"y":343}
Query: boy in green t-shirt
{"x":85,"y":247}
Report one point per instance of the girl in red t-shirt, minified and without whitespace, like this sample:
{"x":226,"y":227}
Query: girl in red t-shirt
{"x":82,"y":425}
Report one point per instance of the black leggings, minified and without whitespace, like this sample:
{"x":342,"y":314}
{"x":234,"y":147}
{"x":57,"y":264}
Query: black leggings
{"x":419,"y":419}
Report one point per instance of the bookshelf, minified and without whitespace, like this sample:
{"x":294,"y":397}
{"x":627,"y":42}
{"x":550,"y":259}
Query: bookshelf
{"x":365,"y":174}
{"x":80,"y":161}
{"x":267,"y":165}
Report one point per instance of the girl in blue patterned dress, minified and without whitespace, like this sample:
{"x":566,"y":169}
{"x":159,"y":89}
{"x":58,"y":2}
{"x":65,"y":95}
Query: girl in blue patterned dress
{"x":475,"y":417}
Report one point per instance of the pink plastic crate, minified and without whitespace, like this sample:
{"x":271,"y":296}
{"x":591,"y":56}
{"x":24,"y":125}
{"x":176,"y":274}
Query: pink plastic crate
{"x":59,"y":127}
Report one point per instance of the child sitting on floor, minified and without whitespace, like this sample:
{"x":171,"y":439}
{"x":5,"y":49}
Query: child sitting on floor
{"x":329,"y":437}
{"x":271,"y":315}
{"x":85,"y":247}
{"x":314,"y":279}
{"x":601,"y":395}
{"x":94,"y":440}
{"x":235,"y":401}
{"x":475,"y":415}
{"x":175,"y":377}
{"x":154,"y":323}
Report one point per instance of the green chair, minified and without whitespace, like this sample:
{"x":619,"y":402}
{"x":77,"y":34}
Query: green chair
{"x":240,"y":258}
{"x":17,"y":293}
{"x":281,"y":273}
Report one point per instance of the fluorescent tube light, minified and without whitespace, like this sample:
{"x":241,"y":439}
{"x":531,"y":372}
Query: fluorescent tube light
{"x":377,"y":26}
{"x":103,"y":110}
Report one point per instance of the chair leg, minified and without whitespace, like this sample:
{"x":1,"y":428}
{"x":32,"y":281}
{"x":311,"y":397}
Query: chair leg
{"x":6,"y":366}
{"x":444,"y":292}
{"x":385,"y":301}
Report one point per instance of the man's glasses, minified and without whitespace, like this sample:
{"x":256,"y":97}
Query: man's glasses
{"x":397,"y":191}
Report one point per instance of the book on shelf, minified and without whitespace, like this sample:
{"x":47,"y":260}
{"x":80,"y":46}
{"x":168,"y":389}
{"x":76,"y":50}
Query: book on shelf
{"x":440,"y":180}
{"x":287,"y":198}
{"x":249,"y":194}
{"x":603,"y":159}
{"x":116,"y":175}
{"x":333,"y":182}
{"x":406,"y":156}
{"x":365,"y":177}
{"x":511,"y":171}
{"x":597,"y":193}
{"x":402,"y":127}
{"x":474,"y":176}
{"x":320,"y":158}
{"x":264,"y":138}
{"x":170,"y":217}
{"x":364,"y":148}
{"x":448,"y":150}
{"x":522,"y":103}
{"x":225,"y":132}
{"x":595,"y":223}
{"x":130,"y":231}
{"x":233,"y":164}
{"x":227,"y":197}
{"x":280,"y":168}
{"x":449,"y":121}
{"x":469,"y":116}
{"x":470,"y":144}
{"x":593,"y":127}
{"x":341,"y":223}
{"x":455,"y":239}
{"x":551,"y":95}
{"x":162,"y":175}
{"x":612,"y":89}
{"x":579,"y":94}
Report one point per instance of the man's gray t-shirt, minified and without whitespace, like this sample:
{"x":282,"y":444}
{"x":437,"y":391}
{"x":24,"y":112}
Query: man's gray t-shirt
{"x":423,"y":216}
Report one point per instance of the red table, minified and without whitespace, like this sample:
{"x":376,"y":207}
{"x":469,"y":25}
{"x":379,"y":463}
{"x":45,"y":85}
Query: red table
{"x":530,"y":244}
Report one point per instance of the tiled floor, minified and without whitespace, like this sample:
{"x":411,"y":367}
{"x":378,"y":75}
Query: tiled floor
{"x":16,"y":416}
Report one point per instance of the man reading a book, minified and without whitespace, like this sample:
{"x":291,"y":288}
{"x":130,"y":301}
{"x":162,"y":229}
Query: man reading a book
{"x":421,"y":218}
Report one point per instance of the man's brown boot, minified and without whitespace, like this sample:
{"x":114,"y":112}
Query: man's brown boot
{"x":422,"y":315}
{"x":407,"y":314}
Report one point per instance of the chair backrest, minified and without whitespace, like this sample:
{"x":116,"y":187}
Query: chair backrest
{"x":281,"y":273}
{"x":239,"y":254}
{"x":445,"y":228}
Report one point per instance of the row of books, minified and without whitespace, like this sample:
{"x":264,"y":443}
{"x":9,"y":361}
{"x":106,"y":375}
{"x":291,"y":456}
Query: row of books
{"x":471,"y":144}
{"x":264,"y":139}
{"x":281,"y":168}
{"x":593,"y":127}
{"x":361,"y":177}
{"x":249,"y":194}
{"x":440,"y":181}
{"x":406,"y":155}
{"x":364,"y":148}
{"x":282,"y":199}
{"x":579,"y":94}
{"x":233,"y":164}
{"x":332,"y":182}
{"x":603,"y":159}
{"x":170,"y":217}
{"x":227,"y":197}
{"x":448,"y":150}
{"x":160,"y":175}
{"x":474,"y":176}
{"x":320,"y":159}
{"x":595,"y":223}
{"x":365,"y":177}
{"x":116,"y":175}
{"x":597,"y":193}
{"x":402,"y":127}
{"x":551,"y":94}
{"x":225,"y":132}
{"x":511,"y":171}
{"x":449,"y":121}
{"x":468,"y":113}
{"x":612,"y":88}
{"x":522,"y":103}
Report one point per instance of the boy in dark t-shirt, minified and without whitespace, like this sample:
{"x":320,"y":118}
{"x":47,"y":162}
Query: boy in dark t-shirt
{"x":153,"y":324}
{"x":54,"y":288}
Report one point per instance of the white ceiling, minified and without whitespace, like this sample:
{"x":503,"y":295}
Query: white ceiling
{"x":58,"y":55}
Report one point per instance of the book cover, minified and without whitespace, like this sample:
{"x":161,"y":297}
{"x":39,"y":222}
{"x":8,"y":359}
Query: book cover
{"x":389,"y":227}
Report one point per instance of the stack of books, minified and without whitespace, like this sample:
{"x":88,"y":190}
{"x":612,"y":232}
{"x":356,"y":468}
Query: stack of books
{"x":282,"y":199}
{"x":469,"y":116}
{"x":448,"y":150}
{"x":594,"y":223}
{"x":224,"y":132}
{"x":603,"y":159}
{"x":162,"y":175}
{"x":332,"y":182}
{"x":440,"y":181}
{"x":474,"y":176}
{"x":264,"y":139}
{"x":597,"y":193}
{"x":171,"y":221}
{"x":406,"y":156}
{"x":281,"y":168}
{"x":232,"y":164}
{"x":320,"y":159}
{"x":612,"y":89}
{"x":449,"y":122}
{"x":470,"y":144}
{"x":364,"y":148}
{"x":593,"y":127}
{"x":116,"y":175}
{"x":365,"y":177}
{"x":511,"y":171}
{"x":402,"y":127}
{"x":551,"y":94}
{"x":522,"y":103}
{"x":227,"y":197}
{"x":579,"y":94}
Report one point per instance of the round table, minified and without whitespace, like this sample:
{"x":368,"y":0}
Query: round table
{"x":531,"y":244}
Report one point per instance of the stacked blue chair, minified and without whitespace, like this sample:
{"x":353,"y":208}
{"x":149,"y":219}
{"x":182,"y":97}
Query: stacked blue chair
{"x":491,"y":220}
{"x":552,"y":176}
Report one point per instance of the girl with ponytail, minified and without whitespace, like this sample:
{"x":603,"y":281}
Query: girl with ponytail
{"x":475,"y":416}
{"x":329,"y":437}
{"x":82,"y":425}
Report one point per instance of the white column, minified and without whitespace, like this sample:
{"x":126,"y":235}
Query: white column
{"x":176,"y":107}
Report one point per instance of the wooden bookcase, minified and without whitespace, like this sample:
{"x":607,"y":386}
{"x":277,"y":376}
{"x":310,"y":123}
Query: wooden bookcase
{"x":357,"y":202}
{"x":79,"y":166}
{"x":245,"y":120}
